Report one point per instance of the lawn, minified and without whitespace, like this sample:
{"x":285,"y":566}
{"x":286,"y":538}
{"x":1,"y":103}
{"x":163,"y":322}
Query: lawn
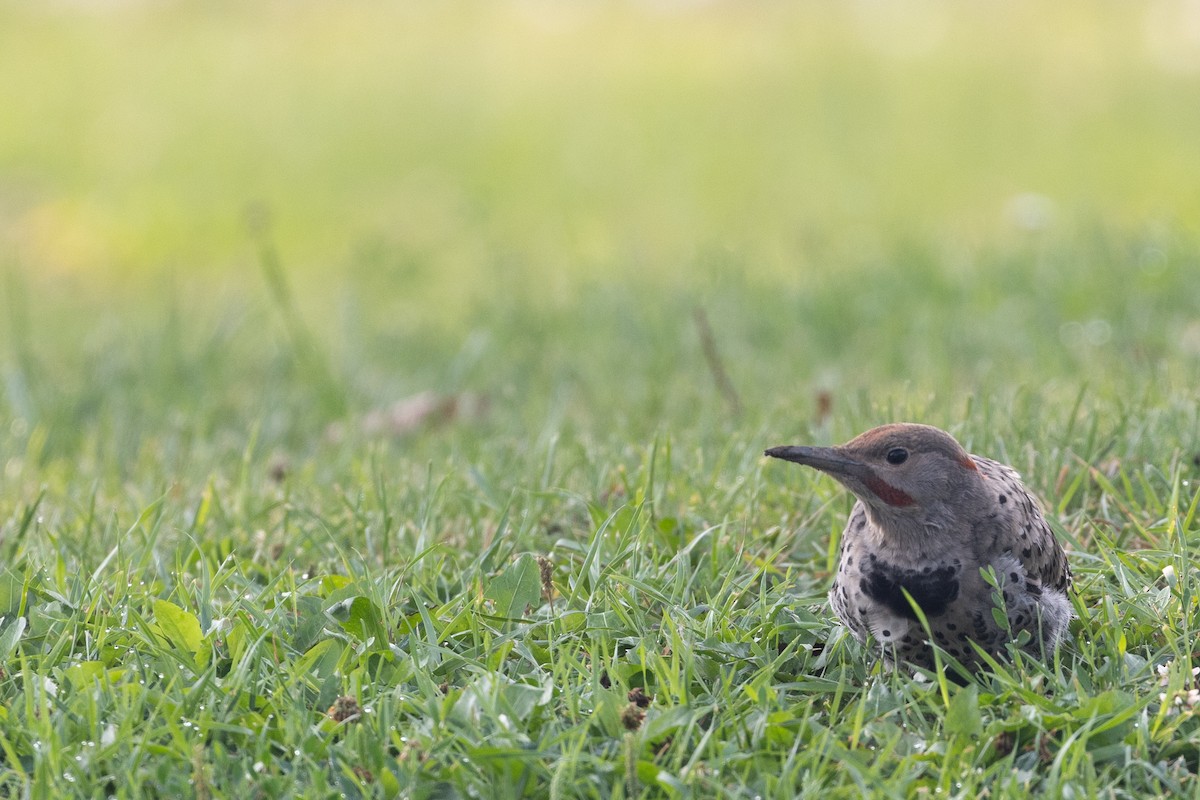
{"x":385,"y":391}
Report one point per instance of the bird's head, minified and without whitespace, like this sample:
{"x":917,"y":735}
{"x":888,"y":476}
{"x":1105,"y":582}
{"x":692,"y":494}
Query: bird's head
{"x":899,"y":470}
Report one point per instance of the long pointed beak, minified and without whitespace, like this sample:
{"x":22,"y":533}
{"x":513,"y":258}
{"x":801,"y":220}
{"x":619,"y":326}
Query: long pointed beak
{"x":826,"y":459}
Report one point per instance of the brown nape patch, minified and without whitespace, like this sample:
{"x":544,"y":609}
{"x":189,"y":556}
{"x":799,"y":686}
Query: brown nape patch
{"x":888,"y":493}
{"x":969,"y":463}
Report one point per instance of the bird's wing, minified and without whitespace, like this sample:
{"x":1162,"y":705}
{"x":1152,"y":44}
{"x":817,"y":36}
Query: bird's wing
{"x":1032,"y":541}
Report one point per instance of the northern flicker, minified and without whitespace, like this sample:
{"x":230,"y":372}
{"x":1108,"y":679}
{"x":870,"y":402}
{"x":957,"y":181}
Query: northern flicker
{"x":930,"y":521}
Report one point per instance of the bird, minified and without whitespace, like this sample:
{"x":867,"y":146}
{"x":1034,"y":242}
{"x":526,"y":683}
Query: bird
{"x":954,"y":534}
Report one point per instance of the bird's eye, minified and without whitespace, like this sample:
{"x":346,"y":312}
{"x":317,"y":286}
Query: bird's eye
{"x":897,"y":455}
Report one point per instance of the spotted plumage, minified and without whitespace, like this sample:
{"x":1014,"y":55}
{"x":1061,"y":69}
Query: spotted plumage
{"x":955,"y":534}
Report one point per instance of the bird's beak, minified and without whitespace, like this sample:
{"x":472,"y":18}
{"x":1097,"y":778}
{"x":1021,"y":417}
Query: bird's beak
{"x":826,"y":459}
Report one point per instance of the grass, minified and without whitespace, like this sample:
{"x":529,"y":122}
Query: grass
{"x":222,"y":574}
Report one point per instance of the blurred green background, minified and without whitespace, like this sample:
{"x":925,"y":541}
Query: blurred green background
{"x":529,"y":199}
